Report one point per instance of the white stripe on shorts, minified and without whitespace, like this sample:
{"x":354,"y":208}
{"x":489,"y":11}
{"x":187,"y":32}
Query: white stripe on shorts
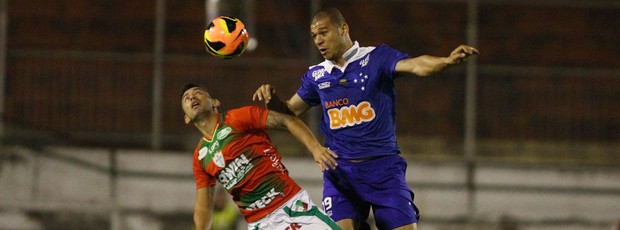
{"x":297,"y":213}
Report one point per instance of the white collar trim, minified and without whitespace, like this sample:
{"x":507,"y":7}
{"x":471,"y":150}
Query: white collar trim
{"x":354,"y":53}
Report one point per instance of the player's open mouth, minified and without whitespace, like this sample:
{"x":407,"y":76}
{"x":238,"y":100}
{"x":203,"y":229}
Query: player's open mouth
{"x":323,"y":51}
{"x":195,"y":105}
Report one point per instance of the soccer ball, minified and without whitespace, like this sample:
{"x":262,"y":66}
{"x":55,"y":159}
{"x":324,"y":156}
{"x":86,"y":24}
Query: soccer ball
{"x":226,"y":37}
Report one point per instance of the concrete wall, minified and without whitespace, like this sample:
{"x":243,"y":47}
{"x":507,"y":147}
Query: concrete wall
{"x":147,"y":184}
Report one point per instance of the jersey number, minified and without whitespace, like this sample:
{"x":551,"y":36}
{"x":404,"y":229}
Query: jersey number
{"x":327,"y":203}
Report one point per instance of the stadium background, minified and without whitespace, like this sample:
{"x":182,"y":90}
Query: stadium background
{"x":103,"y":77}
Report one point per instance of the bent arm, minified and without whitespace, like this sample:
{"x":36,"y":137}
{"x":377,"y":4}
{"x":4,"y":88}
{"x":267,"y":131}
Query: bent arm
{"x":203,"y":209}
{"x":294,"y":106}
{"x":324,"y":157}
{"x":297,"y":105}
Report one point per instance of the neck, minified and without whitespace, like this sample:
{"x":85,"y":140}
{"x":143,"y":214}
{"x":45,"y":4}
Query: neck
{"x":206,"y":125}
{"x":342,"y":60}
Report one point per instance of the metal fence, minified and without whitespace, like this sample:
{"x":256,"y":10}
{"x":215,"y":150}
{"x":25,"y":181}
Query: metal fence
{"x":545,"y":89}
{"x":546,"y":83}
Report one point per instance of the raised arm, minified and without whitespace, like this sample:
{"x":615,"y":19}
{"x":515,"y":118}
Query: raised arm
{"x":427,"y":65}
{"x":203,"y":208}
{"x":324,"y":157}
{"x":294,"y":106}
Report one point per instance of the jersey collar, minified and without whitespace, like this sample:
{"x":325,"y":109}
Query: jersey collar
{"x":217,"y":125}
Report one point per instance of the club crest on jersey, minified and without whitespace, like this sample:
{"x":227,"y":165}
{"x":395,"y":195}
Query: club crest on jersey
{"x":350,"y":115}
{"x":365,"y":61}
{"x":223,"y":133}
{"x":218,"y":159}
{"x":319,"y":73}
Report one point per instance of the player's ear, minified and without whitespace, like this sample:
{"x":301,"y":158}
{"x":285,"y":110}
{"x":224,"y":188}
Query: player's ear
{"x":344,"y":29}
{"x":186,"y":118}
{"x":216,"y":103}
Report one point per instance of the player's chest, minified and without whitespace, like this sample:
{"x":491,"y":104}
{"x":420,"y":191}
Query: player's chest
{"x":352,"y":86}
{"x":216,"y":151}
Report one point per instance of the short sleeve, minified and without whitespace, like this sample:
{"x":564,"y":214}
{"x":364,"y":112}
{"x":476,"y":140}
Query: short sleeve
{"x":389,"y":56}
{"x":247,"y":118}
{"x":200,"y":176}
{"x":307,"y":91}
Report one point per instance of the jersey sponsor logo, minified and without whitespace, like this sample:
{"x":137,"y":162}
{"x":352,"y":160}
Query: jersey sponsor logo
{"x":336,"y":103}
{"x":350,"y":115}
{"x":223,"y":133}
{"x":324,"y":85}
{"x":319,"y":73}
{"x":275,"y":160}
{"x":265,"y":200}
{"x":202,"y":153}
{"x":214,"y":146}
{"x":218,"y":159}
{"x":234,"y":171}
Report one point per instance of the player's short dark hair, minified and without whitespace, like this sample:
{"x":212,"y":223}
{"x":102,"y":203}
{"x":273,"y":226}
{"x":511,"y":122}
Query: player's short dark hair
{"x":186,"y":87}
{"x":334,"y":15}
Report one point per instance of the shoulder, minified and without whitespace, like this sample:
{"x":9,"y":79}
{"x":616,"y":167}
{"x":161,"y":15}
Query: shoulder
{"x":317,"y":71}
{"x":386,"y":48}
{"x":320,"y":65}
{"x":197,"y":149}
{"x":244,"y":109}
{"x":385,"y":53}
{"x":245,"y":112}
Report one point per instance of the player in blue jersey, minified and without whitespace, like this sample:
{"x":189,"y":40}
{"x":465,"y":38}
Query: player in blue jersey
{"x":355,"y":87}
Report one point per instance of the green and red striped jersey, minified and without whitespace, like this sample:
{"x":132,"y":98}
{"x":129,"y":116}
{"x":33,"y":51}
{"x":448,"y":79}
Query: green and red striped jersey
{"x":240,"y":156}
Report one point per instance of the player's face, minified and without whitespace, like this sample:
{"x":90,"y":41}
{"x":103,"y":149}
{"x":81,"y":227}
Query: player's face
{"x":196,"y":102}
{"x":328,"y":38}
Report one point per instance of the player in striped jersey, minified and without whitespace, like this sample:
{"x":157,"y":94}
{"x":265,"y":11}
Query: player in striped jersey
{"x":355,"y":88}
{"x":236,"y":151}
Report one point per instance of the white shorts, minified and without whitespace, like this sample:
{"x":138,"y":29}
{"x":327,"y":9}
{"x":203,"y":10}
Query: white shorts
{"x":297,"y":213}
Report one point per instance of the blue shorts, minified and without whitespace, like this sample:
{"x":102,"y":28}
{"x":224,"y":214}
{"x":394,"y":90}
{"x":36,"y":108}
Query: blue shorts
{"x":352,"y":188}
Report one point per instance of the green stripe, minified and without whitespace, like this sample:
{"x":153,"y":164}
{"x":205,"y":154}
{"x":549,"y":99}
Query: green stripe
{"x":314,"y":211}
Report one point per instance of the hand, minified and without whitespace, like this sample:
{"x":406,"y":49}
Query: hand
{"x":460,"y":54}
{"x":264,"y":93}
{"x":325,"y":158}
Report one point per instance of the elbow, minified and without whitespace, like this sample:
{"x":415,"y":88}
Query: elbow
{"x":290,"y":120}
{"x":429,"y":65}
{"x":423,"y":72}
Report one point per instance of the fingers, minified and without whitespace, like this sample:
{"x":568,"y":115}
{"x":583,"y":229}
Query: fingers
{"x":461,"y":53}
{"x":331,"y":159}
{"x":263,"y":93}
{"x":465,"y":50}
{"x":327,"y":160}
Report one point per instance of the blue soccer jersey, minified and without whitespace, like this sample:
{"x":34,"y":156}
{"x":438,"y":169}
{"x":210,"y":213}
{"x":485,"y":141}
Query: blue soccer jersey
{"x":358,"y":101}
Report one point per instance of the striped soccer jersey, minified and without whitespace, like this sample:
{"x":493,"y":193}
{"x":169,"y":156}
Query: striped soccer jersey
{"x":240,"y":156}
